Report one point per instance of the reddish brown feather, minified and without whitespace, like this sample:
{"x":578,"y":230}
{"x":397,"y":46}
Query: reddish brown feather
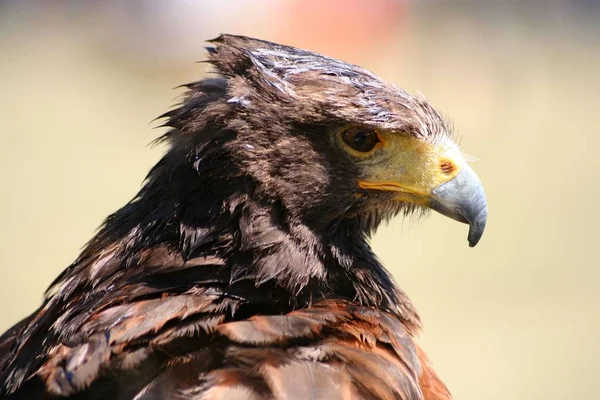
{"x":334,"y":349}
{"x":432,"y":386}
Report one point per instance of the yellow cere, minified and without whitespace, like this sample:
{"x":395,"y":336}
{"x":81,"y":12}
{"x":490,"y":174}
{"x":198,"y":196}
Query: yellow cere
{"x":411,"y":167}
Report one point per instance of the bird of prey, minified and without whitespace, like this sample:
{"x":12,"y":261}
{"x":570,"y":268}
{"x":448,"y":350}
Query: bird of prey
{"x":242,"y":269}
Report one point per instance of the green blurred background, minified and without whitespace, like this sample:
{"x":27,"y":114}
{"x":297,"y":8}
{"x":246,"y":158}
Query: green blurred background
{"x":515,"y":318}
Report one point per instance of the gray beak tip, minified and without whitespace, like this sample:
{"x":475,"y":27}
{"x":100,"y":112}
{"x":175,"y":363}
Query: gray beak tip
{"x":474,"y":236}
{"x":476,"y":229}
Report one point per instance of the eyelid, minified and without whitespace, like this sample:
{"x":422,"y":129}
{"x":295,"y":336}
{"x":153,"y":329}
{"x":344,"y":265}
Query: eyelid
{"x":380,"y":137}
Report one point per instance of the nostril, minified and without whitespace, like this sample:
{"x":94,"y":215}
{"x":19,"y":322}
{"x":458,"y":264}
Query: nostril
{"x":447,"y":167}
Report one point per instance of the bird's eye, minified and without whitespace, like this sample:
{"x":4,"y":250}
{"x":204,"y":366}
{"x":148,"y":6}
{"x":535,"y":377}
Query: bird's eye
{"x":360,"y":139}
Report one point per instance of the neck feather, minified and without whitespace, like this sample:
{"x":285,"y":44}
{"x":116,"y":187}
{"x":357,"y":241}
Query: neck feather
{"x":256,"y":242}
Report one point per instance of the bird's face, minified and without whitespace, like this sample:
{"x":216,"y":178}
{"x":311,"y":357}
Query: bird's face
{"x":395,"y":168}
{"x":320,"y":134}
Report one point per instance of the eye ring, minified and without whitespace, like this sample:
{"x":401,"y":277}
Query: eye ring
{"x":360,"y":140}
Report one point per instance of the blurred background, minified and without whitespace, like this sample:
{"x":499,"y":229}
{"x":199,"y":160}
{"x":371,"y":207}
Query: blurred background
{"x":515,"y":318}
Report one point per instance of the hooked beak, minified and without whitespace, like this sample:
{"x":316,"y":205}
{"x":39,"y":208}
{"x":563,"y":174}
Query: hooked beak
{"x":463,"y":199}
{"x":433,"y":175}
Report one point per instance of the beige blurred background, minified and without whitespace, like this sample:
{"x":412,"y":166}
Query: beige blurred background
{"x":515,"y":318}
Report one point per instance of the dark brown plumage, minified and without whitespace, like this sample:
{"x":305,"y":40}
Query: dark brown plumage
{"x":242,"y":268}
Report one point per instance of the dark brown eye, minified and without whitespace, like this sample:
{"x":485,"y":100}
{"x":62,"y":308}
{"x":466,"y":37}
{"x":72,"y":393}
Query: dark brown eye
{"x":360,"y":139}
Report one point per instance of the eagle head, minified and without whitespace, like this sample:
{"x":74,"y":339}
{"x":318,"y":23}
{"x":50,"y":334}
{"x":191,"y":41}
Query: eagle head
{"x":329,"y":142}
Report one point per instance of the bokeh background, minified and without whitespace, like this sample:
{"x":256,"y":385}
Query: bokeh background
{"x":515,"y":318}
